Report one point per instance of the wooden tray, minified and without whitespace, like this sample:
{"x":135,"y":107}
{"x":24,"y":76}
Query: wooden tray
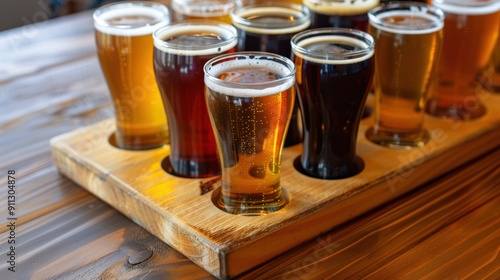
{"x":174,"y":210}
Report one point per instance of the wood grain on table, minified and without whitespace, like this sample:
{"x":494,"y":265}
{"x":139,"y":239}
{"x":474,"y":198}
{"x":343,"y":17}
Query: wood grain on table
{"x":50,"y":84}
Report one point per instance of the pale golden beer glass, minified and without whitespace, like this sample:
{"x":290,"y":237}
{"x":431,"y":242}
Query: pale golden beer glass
{"x":250,"y":98}
{"x":217,"y":10}
{"x":470,"y":34}
{"x":408,"y":40}
{"x":125,"y":49}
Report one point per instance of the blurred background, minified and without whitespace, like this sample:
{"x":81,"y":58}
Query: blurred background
{"x":15,"y":13}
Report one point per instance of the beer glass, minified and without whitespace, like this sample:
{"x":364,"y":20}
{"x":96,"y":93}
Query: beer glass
{"x":408,"y":36}
{"x":180,"y":51}
{"x":491,"y":78}
{"x":250,"y":97}
{"x":343,"y":13}
{"x":269,"y":27}
{"x":469,"y":35}
{"x":334,"y":75}
{"x":125,"y":50}
{"x":217,"y":10}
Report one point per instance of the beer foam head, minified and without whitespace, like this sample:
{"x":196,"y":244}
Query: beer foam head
{"x":204,"y":8}
{"x":341,"y":7}
{"x":280,"y":18}
{"x":331,"y":48}
{"x":131,"y":19}
{"x":281,"y":67}
{"x":468,"y":7}
{"x":226,"y":36}
{"x":412,"y":21}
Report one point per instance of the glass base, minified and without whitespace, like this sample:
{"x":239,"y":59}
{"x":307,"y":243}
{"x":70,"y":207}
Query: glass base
{"x":138,"y":144}
{"x":398,"y":140}
{"x":457,"y":111}
{"x":250,"y":207}
{"x":330,"y":172}
{"x":490,"y":82}
{"x":191,"y":169}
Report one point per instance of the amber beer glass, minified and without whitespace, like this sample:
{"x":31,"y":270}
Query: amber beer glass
{"x":250,"y":97}
{"x":125,"y":49}
{"x":491,"y":78}
{"x":408,"y":36}
{"x":334,"y":75}
{"x":469,"y":35}
{"x":340,"y":13}
{"x":269,"y":28}
{"x":217,"y":10}
{"x":181,"y":50}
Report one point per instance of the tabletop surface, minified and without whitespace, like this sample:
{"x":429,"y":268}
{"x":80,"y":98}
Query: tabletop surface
{"x":51,"y":83}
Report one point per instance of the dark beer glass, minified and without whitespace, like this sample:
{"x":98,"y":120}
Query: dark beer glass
{"x":335,"y":69}
{"x":469,"y":35}
{"x":269,"y":28}
{"x":250,"y":96}
{"x":334,"y":13}
{"x":180,"y":52}
{"x":125,"y":47}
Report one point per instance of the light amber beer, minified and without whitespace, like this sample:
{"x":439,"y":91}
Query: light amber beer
{"x":250,"y":98}
{"x":125,"y":51}
{"x":470,"y":33}
{"x":216,"y":10}
{"x":408,"y":38}
{"x":491,"y":77}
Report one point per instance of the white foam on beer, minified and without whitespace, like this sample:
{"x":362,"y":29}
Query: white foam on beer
{"x":102,"y":23}
{"x":468,"y":7}
{"x":332,"y":58}
{"x":433,"y":25}
{"x":341,"y":8}
{"x":295,"y":26}
{"x":230,"y":39}
{"x":203,"y":9}
{"x":249,"y":89}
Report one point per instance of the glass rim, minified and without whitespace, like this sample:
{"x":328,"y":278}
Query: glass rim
{"x":471,"y":7}
{"x":301,"y":14}
{"x":366,"y":38}
{"x":411,"y":8}
{"x":340,"y":8}
{"x":164,"y":18}
{"x":250,"y":55}
{"x":196,"y":50}
{"x":190,"y":7}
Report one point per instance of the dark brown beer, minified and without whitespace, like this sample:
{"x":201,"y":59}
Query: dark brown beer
{"x":332,"y":13}
{"x":269,"y":28}
{"x":334,"y":75}
{"x":181,"y":50}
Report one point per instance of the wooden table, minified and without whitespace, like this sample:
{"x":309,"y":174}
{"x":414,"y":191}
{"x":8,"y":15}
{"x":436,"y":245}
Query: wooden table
{"x":51,"y":83}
